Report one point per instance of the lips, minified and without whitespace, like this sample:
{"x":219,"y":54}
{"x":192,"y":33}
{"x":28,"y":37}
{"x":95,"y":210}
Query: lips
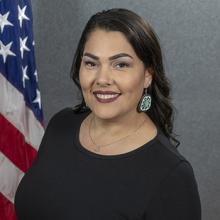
{"x":105,"y":92}
{"x":106,"y":98}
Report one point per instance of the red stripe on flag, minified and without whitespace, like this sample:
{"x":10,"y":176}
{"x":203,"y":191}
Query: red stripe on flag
{"x":13,"y":145}
{"x":7,"y":210}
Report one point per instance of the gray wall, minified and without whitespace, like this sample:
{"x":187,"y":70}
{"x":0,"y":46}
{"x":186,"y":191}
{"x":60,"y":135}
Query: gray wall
{"x":189,"y":32}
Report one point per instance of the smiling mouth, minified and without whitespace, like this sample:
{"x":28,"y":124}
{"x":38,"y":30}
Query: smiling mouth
{"x":104,"y":98}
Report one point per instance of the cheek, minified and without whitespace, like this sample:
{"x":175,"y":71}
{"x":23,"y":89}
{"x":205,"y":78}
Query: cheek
{"x":134,"y":86}
{"x":85,"y":80}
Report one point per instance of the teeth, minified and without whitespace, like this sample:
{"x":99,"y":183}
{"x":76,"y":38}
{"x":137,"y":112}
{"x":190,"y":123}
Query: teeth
{"x":102,"y":96}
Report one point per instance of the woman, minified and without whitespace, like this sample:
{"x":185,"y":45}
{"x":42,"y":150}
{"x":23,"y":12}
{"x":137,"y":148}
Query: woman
{"x":112,"y":156}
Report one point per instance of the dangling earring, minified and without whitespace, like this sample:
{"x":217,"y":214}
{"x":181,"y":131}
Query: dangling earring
{"x":145,"y":102}
{"x":85,"y":107}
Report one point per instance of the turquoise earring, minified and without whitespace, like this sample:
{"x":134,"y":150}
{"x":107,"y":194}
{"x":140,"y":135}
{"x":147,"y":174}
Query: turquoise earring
{"x":145,"y":102}
{"x":85,"y":107}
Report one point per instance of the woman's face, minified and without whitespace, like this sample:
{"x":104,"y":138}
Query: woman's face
{"x":109,"y":63}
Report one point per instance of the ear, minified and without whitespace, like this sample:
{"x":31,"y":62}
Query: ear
{"x":148,"y":74}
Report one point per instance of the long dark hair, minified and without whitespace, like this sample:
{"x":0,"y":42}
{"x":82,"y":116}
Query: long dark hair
{"x":146,"y":45}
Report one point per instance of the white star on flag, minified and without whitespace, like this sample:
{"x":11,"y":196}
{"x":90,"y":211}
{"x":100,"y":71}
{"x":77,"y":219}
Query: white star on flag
{"x":35,"y":73}
{"x":21,"y":14}
{"x":37,"y":99}
{"x":5,"y":50}
{"x":25,"y":76}
{"x":23,"y":46}
{"x":4,"y":21}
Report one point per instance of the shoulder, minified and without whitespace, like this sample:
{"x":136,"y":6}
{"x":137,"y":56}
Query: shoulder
{"x":163,"y":155}
{"x":180,"y":172}
{"x":164,"y":162}
{"x":169,"y":149}
{"x":60,"y":128}
{"x":65,"y":116}
{"x":175,"y":193}
{"x":63,"y":113}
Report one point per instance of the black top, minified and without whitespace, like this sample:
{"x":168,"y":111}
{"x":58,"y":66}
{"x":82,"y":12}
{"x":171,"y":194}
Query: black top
{"x":69,"y":182}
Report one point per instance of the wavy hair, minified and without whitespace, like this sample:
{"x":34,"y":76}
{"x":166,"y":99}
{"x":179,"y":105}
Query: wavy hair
{"x":145,"y":43}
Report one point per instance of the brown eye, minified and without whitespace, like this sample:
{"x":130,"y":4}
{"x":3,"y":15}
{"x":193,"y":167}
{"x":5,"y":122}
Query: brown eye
{"x":90,"y":64}
{"x":122,"y":65}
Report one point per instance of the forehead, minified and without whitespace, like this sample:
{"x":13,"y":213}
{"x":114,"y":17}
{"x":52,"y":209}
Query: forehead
{"x":104,"y":43}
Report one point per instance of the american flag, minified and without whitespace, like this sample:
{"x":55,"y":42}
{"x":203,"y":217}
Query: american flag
{"x":21,"y":116}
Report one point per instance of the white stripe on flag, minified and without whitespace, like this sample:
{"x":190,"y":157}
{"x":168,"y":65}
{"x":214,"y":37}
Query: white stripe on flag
{"x":10,"y":177}
{"x":13,"y":108}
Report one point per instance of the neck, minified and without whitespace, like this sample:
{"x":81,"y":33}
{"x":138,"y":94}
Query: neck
{"x":116,"y":127}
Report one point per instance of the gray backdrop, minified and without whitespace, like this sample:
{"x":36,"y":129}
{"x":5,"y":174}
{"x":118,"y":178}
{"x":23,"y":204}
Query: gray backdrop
{"x":189,"y":32}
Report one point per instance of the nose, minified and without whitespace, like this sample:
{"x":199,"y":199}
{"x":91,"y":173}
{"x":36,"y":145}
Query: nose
{"x":104,"y":76}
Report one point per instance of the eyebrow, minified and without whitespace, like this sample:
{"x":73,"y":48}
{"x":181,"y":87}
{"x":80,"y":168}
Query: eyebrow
{"x":110,"y":58}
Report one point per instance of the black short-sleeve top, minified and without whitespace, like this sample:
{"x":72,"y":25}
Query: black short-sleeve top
{"x":69,"y":182}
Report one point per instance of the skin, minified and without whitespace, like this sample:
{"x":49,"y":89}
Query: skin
{"x":110,"y":63}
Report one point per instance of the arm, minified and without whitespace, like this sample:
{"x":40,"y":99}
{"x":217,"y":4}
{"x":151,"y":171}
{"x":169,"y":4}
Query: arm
{"x":177,"y":197}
